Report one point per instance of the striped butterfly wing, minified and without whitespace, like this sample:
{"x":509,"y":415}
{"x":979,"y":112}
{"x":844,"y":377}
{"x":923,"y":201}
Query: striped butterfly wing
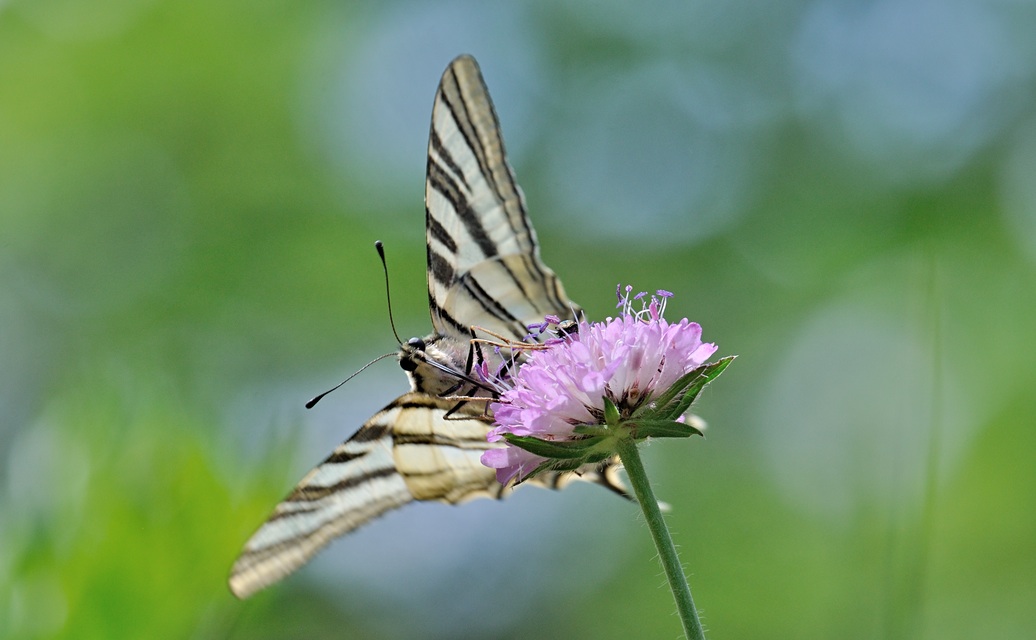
{"x":484,"y":266}
{"x":483,"y":270}
{"x":407,"y":451}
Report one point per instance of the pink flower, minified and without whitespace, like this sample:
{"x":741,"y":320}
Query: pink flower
{"x":629,"y":360}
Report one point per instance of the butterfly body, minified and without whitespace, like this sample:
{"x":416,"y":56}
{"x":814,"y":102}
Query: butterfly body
{"x":484,"y":274}
{"x":432,"y":364}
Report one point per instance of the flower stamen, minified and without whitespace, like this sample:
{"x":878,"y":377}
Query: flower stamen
{"x":569,"y":379}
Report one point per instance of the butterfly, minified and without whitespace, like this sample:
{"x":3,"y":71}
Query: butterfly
{"x":484,"y":270}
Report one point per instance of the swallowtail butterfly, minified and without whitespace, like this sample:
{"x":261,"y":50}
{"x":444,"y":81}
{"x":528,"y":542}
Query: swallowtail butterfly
{"x":484,"y":270}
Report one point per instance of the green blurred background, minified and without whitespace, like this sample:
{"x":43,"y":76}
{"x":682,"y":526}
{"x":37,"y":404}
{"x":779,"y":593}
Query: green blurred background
{"x":843,"y":193}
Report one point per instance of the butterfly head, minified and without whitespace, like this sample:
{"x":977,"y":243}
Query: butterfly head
{"x":433,"y":364}
{"x":409,"y":354}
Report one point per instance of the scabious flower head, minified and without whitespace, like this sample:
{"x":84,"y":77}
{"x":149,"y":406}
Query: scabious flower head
{"x":629,"y":360}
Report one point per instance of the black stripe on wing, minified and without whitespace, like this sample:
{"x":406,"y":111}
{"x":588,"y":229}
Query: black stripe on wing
{"x":386,"y":464}
{"x":493,"y":307}
{"x":465,"y":95}
{"x":314,"y":493}
{"x":355,"y":484}
{"x":444,"y":184}
{"x":483,"y":259}
{"x":435,"y":144}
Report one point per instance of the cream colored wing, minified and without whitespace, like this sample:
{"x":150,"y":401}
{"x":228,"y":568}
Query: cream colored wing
{"x":407,"y":451}
{"x":484,"y":266}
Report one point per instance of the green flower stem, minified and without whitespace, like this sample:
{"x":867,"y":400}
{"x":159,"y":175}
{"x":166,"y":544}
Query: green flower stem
{"x":627,"y":448}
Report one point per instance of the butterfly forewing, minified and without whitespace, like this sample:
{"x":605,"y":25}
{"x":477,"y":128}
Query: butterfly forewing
{"x":484,"y":271}
{"x":483,"y":259}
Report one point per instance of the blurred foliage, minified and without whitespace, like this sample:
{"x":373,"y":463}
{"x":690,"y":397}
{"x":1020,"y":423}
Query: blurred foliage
{"x":840,"y":194}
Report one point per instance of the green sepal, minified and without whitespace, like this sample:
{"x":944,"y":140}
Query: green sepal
{"x":664,"y":429}
{"x":678,"y":399}
{"x":611,"y":412}
{"x":555,"y":449}
{"x":546,"y":465}
{"x":551,"y":465}
{"x":591,"y":430}
{"x":598,"y":456}
{"x":668,"y":396}
{"x":564,"y":465}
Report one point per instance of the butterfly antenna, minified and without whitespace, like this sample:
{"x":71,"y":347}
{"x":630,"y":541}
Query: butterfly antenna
{"x":312,"y":403}
{"x":388,"y":294}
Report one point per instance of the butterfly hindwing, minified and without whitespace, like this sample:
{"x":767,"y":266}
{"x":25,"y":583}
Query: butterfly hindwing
{"x":407,"y":451}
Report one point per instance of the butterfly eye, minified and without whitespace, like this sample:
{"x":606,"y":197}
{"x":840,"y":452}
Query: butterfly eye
{"x":407,"y":363}
{"x":416,"y":343}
